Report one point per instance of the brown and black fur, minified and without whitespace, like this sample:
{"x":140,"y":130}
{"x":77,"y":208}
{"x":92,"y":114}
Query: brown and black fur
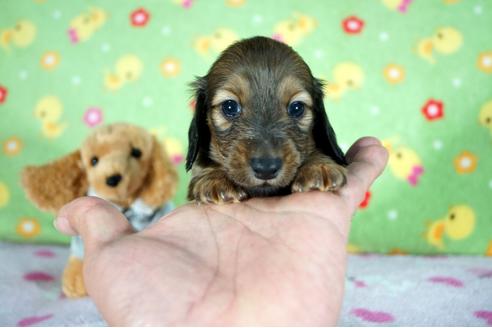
{"x":263,"y":75}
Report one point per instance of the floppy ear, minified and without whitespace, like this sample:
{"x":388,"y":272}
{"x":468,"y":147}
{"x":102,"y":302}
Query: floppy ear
{"x":161,"y":181}
{"x":53,"y":185}
{"x":323,"y":133}
{"x":199,"y":133}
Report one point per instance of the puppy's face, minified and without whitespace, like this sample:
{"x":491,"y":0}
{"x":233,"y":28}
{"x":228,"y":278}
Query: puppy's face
{"x":261,"y":127}
{"x":116,"y":159}
{"x":256,"y":115}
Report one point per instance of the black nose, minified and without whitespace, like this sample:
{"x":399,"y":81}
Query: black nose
{"x":266,"y":167}
{"x":113,"y":180}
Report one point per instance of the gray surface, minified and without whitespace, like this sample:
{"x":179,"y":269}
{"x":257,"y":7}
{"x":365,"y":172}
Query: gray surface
{"x":380,"y":290}
{"x":418,"y":291}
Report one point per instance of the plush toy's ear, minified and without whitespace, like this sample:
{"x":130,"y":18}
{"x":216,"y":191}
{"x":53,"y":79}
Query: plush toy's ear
{"x":53,"y":185}
{"x":323,"y":133}
{"x":199,"y":133}
{"x":161,"y":181}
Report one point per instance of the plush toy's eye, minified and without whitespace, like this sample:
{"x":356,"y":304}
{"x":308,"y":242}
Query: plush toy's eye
{"x":94,"y":160}
{"x":296,"y":109}
{"x":137,"y":153}
{"x":231,"y":108}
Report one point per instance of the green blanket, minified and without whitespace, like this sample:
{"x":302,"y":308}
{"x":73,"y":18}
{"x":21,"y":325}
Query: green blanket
{"x":417,"y":74}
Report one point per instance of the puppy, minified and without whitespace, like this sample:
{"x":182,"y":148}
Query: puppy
{"x":260,"y":127}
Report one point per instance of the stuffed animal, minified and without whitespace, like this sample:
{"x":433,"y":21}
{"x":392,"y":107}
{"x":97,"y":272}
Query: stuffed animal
{"x":121,"y":163}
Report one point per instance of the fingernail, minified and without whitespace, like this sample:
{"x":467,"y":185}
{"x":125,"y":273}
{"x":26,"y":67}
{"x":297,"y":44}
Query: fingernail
{"x":61,"y":224}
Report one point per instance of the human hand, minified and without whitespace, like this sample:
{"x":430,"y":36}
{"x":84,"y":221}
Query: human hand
{"x":265,"y":261}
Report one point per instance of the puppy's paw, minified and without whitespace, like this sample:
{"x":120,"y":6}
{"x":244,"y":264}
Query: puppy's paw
{"x":320,"y":176}
{"x":72,"y":280}
{"x":215,"y":189}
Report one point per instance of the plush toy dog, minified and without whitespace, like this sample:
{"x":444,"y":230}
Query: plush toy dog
{"x":121,"y":163}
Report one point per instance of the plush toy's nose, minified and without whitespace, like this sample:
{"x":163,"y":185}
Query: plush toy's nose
{"x":113,"y":180}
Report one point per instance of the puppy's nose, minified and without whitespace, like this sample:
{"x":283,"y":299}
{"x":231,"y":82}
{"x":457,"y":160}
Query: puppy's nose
{"x":266,"y":167}
{"x":113,"y":180}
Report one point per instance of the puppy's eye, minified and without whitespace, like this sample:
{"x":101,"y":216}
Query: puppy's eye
{"x":94,"y":160}
{"x":137,"y":153}
{"x":231,"y":108}
{"x":296,"y":109}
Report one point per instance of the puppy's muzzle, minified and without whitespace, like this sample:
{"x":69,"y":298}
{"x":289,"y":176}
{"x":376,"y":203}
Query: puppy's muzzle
{"x":113,"y":180}
{"x":266,"y":168}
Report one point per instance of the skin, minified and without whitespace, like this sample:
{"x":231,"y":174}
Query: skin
{"x":265,"y":261}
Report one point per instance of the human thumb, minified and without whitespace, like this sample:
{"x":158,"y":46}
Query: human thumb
{"x":94,"y":219}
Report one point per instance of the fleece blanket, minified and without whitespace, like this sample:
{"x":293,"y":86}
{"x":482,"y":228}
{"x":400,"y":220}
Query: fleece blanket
{"x":380,"y":290}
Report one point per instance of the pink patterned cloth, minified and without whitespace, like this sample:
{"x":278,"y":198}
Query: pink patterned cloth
{"x":386,"y":290}
{"x":380,"y":290}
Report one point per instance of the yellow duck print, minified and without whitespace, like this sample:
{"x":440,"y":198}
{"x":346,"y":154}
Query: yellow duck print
{"x":4,"y":194}
{"x":353,"y":249}
{"x":84,"y":25}
{"x":235,"y":3}
{"x":215,"y":42}
{"x":391,"y":4}
{"x":49,"y":110}
{"x":174,"y":149}
{"x":457,"y":224}
{"x":446,"y":40}
{"x":404,"y":163}
{"x":397,"y":5}
{"x":346,"y":76}
{"x":485,"y":116}
{"x":292,"y":31}
{"x":172,"y":146}
{"x":21,"y":35}
{"x":488,"y":251}
{"x":127,"y":69}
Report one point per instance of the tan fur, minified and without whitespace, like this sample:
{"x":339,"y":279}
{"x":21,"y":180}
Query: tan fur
{"x":218,"y":119}
{"x":162,"y":178}
{"x":72,"y":278}
{"x":211,"y":185}
{"x":291,"y":87}
{"x":152,"y":178}
{"x":236,"y":85}
{"x":52,"y":186}
{"x":319,"y":172}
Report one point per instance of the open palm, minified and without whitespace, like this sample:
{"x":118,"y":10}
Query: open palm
{"x":270,"y":261}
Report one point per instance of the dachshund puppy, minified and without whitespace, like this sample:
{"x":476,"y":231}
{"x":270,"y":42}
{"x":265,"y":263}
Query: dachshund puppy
{"x":260,"y":127}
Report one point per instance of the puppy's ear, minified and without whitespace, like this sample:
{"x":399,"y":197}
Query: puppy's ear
{"x":53,"y":185}
{"x":199,"y":133}
{"x":161,"y":181}
{"x":323,"y":133}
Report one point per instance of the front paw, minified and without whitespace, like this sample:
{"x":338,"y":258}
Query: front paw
{"x":320,"y":176}
{"x":215,"y":189}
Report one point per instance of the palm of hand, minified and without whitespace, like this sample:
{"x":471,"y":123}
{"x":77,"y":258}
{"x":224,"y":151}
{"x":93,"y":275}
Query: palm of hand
{"x":264,"y":261}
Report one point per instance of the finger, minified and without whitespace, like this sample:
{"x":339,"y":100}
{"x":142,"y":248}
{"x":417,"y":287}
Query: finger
{"x":95,"y":220}
{"x":361,"y":143}
{"x":367,"y":162}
